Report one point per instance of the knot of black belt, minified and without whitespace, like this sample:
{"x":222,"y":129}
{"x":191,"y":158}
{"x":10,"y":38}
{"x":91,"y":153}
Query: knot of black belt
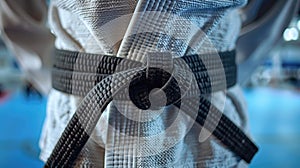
{"x":100,"y":78}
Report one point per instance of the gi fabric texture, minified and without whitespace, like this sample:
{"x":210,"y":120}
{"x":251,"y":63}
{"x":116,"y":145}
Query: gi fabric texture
{"x":95,"y":26}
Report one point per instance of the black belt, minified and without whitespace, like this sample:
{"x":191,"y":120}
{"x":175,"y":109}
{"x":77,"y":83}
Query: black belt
{"x":77,"y":73}
{"x":92,"y":75}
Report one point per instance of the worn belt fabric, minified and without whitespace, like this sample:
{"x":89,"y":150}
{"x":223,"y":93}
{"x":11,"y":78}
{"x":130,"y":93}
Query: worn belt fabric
{"x":95,"y":77}
{"x":77,"y":73}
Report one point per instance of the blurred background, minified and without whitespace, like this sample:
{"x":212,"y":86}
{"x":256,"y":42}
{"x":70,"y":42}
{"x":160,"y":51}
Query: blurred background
{"x":271,"y":87}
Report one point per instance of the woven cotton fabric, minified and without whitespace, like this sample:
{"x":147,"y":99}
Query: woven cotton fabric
{"x":87,"y":26}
